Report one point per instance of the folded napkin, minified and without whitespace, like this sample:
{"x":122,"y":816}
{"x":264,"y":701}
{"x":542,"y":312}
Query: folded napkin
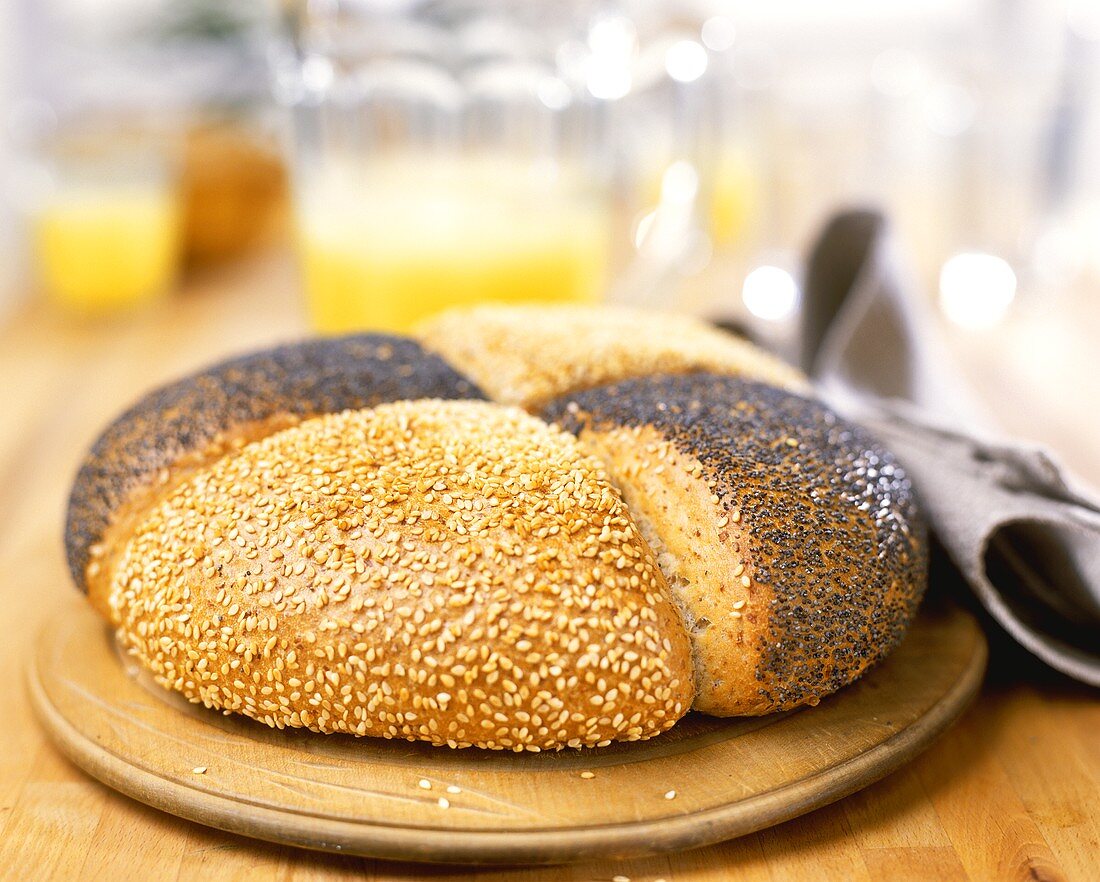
{"x":1023,"y":533}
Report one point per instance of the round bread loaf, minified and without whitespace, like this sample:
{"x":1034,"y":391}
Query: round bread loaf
{"x":455,"y":572}
{"x":789,"y":537}
{"x":528,"y":355}
{"x":316,"y":536}
{"x":199,"y":418}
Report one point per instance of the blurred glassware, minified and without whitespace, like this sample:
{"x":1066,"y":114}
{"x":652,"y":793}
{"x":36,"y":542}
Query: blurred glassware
{"x":140,"y":139}
{"x":937,"y":114}
{"x":665,"y":171}
{"x":1065,"y":254}
{"x":456,"y":152}
{"x":439,"y":158}
{"x":95,"y":134}
{"x":104,"y":217}
{"x":415,"y":234}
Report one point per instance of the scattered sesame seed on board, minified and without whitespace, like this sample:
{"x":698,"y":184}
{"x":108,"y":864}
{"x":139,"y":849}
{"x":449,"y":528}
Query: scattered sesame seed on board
{"x":671,"y":794}
{"x":424,"y":784}
{"x":587,"y":774}
{"x":199,"y":770}
{"x":451,"y":788}
{"x":620,"y":879}
{"x":444,"y":802}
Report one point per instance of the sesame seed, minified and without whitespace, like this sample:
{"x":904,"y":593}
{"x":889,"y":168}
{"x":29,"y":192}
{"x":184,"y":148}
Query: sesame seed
{"x":199,"y":770}
{"x":671,"y":794}
{"x":587,"y":774}
{"x":447,"y":571}
{"x":527,"y":355}
{"x":451,"y":788}
{"x":861,"y":581}
{"x":443,"y":802}
{"x":424,"y":784}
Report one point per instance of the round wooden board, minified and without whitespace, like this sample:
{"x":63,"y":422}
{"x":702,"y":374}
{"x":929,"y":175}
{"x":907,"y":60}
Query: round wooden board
{"x":364,"y":796}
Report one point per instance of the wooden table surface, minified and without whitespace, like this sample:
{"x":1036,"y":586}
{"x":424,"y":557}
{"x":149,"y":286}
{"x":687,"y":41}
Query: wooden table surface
{"x":1011,"y":793}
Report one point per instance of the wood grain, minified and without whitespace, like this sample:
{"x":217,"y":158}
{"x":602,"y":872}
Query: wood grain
{"x":381,"y":798}
{"x":1031,"y":737}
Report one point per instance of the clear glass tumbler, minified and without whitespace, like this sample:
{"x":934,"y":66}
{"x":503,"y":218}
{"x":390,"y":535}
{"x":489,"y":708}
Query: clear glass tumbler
{"x":103,"y":213}
{"x":444,"y":153}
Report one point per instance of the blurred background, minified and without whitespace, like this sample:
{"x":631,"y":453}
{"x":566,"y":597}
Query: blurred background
{"x":343,"y":165}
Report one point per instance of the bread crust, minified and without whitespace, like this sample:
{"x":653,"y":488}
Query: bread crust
{"x":195,"y":420}
{"x":226,"y":525}
{"x":700,"y":555}
{"x":454,"y":572}
{"x":815,"y":518}
{"x":528,"y":355}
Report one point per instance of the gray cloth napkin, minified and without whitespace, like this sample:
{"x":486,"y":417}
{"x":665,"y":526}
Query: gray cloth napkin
{"x":1023,"y":533}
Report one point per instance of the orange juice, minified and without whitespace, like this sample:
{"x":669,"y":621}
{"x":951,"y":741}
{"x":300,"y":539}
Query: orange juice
{"x":102,"y":247}
{"x":387,"y":245}
{"x":735,"y":196}
{"x":730,"y":195}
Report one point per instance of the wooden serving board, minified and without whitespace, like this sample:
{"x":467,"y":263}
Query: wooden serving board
{"x":368,"y":796}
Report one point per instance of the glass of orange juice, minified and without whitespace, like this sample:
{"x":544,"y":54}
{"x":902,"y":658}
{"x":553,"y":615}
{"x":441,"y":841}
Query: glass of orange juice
{"x":419,"y":233}
{"x":443,"y":156}
{"x":105,"y":222}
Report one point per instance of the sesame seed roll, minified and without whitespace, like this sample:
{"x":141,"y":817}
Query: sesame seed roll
{"x":454,"y":572}
{"x":184,"y":425}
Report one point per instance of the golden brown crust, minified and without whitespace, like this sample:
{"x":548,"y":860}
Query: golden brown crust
{"x":456,"y":572}
{"x":704,"y":555}
{"x":528,"y":355}
{"x":461,"y":573}
{"x":822,"y":519}
{"x":194,"y":420}
{"x":102,"y":556}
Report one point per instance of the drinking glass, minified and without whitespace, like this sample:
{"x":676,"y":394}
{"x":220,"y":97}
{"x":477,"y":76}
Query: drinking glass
{"x":104,"y":218}
{"x":459,"y":152}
